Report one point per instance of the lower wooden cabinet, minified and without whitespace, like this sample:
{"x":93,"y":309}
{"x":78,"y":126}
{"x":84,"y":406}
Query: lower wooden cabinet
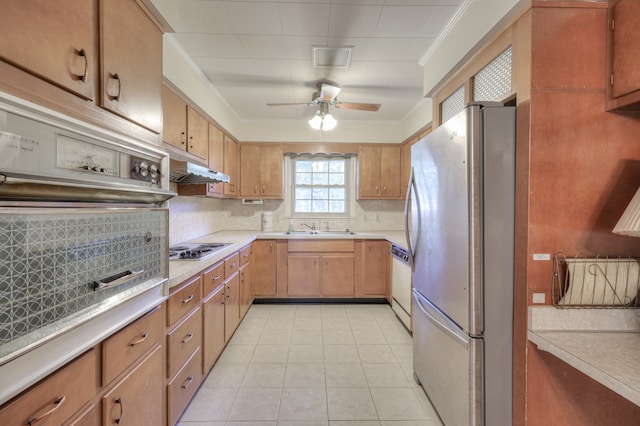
{"x":136,"y":399}
{"x":56,"y":398}
{"x":231,"y":305}
{"x":213,"y":328}
{"x":264,"y":262}
{"x":183,"y":386}
{"x":374,"y":268}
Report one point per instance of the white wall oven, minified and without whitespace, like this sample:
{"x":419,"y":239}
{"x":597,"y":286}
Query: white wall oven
{"x":83,"y":238}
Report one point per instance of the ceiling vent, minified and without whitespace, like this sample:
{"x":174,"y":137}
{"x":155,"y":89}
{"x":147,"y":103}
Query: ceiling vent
{"x":332,"y":57}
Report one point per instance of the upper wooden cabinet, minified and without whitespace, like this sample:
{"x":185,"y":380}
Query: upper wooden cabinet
{"x":624,"y":63}
{"x":183,"y":126}
{"x":131,"y":63}
{"x":261,"y":171}
{"x":231,"y":167}
{"x":55,"y":40}
{"x":216,"y":159}
{"x":379,"y":172}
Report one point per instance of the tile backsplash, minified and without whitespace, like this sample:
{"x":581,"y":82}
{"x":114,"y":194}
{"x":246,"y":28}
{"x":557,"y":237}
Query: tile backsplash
{"x":192,"y":217}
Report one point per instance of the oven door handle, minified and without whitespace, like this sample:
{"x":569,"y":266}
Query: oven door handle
{"x":116,"y":279}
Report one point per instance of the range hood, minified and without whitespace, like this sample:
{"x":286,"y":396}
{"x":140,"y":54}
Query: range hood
{"x":186,"y":173}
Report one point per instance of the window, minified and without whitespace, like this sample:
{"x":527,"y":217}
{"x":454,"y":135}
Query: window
{"x":320,"y":185}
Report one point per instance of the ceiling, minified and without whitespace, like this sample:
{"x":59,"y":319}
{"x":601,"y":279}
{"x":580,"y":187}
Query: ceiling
{"x":259,"y":52}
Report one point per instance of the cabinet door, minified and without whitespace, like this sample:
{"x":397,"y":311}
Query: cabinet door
{"x":369,"y":171}
{"x":197,"y":134}
{"x":174,"y":119}
{"x":303,"y":275}
{"x":271,"y":175}
{"x":216,"y":159}
{"x":375,"y":277}
{"x":231,"y":167}
{"x":131,"y":65}
{"x":250,"y":185}
{"x":338,"y":275}
{"x":54,"y":40}
{"x":213,"y":328}
{"x":231,"y":306}
{"x":390,"y":172}
{"x":245,"y":289}
{"x":263,"y":280}
{"x":626,"y":39}
{"x":138,"y":398}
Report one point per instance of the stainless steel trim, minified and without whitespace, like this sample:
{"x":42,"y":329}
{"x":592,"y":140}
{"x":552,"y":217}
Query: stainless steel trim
{"x":407,"y":233}
{"x":116,"y":280}
{"x":12,"y":188}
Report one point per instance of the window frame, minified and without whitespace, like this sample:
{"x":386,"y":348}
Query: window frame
{"x":350,"y":173}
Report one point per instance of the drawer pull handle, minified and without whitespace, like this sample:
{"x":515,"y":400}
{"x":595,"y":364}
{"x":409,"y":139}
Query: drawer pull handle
{"x":187,"y":338}
{"x":187,"y":382}
{"x":119,"y":419}
{"x":217,"y":277}
{"x":188,"y":299}
{"x":233,"y":265}
{"x":56,"y":404}
{"x":83,"y":54}
{"x":140,"y":340}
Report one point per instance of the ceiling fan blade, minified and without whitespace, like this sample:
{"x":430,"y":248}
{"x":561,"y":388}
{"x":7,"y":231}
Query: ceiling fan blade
{"x":328,"y":92}
{"x":358,"y":106}
{"x":292,"y":104}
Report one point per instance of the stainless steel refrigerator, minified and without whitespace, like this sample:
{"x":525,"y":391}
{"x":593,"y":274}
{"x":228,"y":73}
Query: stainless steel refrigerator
{"x":460,"y":214}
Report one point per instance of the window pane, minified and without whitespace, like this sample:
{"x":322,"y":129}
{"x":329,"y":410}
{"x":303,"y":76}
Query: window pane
{"x":320,"y":185}
{"x":337,"y":194}
{"x":303,"y":178}
{"x":336,"y":206}
{"x":320,"y":206}
{"x":303,"y":193}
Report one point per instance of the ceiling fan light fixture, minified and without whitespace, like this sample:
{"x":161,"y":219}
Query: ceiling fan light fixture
{"x":322,"y":121}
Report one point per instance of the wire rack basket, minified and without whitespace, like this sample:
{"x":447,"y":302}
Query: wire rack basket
{"x":595,"y":282}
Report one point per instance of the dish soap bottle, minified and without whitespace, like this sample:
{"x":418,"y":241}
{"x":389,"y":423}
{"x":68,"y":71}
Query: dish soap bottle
{"x":290,"y":230}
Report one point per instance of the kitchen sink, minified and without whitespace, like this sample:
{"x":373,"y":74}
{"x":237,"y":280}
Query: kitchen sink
{"x":309,"y":233}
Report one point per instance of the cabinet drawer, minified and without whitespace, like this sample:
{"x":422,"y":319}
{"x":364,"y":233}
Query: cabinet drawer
{"x":123,"y":348}
{"x":183,"y":341}
{"x":212,"y":278}
{"x":315,"y":246}
{"x":245,"y":255}
{"x":184,"y":299}
{"x":57,"y":397}
{"x":231,"y":265}
{"x":180,"y":390}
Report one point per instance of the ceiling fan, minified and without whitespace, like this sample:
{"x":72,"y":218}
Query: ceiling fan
{"x":327,"y":94}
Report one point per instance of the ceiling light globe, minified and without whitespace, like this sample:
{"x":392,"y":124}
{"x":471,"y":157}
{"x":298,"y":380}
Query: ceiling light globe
{"x":315,"y":122}
{"x":329,"y":123}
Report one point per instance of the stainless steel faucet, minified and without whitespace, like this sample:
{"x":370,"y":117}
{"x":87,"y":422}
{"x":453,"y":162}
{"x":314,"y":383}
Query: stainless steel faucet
{"x":312,"y":226}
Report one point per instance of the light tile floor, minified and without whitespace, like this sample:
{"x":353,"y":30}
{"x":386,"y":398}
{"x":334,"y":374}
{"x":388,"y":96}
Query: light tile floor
{"x":314,"y":365}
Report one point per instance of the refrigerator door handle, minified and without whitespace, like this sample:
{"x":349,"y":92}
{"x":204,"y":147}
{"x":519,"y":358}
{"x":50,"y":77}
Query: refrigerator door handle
{"x":407,"y":202}
{"x":449,"y":328}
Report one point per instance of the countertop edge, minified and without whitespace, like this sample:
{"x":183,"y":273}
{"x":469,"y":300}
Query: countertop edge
{"x":180,"y":271}
{"x":576,"y":361}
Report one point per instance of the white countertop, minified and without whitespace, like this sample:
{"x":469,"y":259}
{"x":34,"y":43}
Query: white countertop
{"x":181,"y":270}
{"x":602,"y":343}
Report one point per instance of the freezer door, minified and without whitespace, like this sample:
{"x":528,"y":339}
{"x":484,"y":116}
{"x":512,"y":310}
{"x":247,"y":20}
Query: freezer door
{"x":446,"y":255}
{"x":448,"y":364}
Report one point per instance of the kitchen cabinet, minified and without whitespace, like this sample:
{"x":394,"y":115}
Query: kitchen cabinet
{"x":136,"y":399}
{"x":56,"y":398}
{"x":131,"y":63}
{"x":623,"y":92}
{"x":320,"y":268}
{"x":246,"y":297}
{"x":264,"y":265}
{"x":373,"y":260}
{"x":56,"y":41}
{"x":261,"y":171}
{"x":183,"y":126}
{"x":213,"y":328}
{"x":379,"y":172}
{"x":184,"y":341}
{"x":216,"y":160}
{"x":231,"y":167}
